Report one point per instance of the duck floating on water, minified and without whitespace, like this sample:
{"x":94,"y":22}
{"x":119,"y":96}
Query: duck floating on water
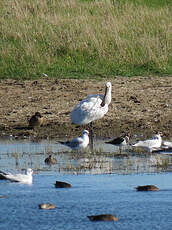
{"x":21,"y":178}
{"x":147,"y":188}
{"x":103,"y":217}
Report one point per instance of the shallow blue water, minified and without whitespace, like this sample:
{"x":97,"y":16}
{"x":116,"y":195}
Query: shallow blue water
{"x":21,"y":154}
{"x":89,"y":195}
{"x":105,"y":187}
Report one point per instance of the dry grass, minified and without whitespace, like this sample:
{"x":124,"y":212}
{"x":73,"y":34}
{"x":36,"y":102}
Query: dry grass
{"x":74,"y":37}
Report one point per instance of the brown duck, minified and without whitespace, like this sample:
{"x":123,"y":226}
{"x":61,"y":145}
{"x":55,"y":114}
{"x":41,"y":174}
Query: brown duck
{"x":147,"y":188}
{"x":36,"y":120}
{"x":46,"y":206}
{"x":50,"y":160}
{"x":61,"y":184}
{"x":103,"y":217}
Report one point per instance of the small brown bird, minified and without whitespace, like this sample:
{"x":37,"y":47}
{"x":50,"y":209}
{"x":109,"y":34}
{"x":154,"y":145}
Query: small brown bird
{"x":50,"y":160}
{"x":46,"y":206}
{"x":147,"y":188}
{"x":103,"y":217}
{"x":36,"y":120}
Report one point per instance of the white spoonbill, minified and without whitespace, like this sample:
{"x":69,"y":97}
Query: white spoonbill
{"x":151,"y":144}
{"x":92,"y":108}
{"x":22,"y":178}
{"x":78,"y":142}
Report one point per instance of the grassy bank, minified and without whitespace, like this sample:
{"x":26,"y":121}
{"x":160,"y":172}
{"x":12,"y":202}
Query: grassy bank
{"x":78,"y":38}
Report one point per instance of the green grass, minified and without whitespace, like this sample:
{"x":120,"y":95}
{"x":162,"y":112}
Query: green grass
{"x":150,"y":3}
{"x":85,"y":38}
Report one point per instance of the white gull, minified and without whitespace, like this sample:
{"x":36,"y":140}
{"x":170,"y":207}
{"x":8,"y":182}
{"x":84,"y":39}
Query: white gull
{"x":150,"y":144}
{"x":78,"y":142}
{"x":166,"y":144}
{"x":21,"y":178}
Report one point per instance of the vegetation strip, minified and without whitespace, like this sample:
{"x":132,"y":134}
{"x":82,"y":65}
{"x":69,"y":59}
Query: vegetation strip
{"x":84,"y":38}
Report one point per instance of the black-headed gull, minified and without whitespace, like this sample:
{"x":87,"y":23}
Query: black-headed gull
{"x":166,"y":144}
{"x":150,"y":144}
{"x":78,"y":142}
{"x":119,"y":141}
{"x":92,"y":108}
{"x":21,"y":178}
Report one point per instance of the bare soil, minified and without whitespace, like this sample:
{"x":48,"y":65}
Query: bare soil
{"x":140,"y":105}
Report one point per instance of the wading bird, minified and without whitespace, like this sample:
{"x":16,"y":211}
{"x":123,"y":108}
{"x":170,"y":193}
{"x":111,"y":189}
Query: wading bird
{"x":119,"y":141}
{"x":150,"y":144}
{"x":92,"y":108}
{"x":78,"y":142}
{"x":167,"y":144}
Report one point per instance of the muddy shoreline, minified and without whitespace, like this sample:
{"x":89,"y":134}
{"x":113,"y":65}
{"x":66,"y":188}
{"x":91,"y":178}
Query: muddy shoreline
{"x":140,"y":105}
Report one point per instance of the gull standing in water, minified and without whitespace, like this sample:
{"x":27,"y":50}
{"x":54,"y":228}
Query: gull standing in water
{"x":119,"y":141}
{"x":21,"y":178}
{"x":151,"y":144}
{"x":92,"y":108}
{"x":167,"y":144}
{"x":78,"y":142}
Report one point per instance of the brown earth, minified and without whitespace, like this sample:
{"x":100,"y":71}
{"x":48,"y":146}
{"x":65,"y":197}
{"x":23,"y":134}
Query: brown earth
{"x":140,"y":105}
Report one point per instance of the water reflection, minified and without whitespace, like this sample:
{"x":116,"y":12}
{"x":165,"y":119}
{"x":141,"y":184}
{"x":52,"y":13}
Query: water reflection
{"x":19,"y":154}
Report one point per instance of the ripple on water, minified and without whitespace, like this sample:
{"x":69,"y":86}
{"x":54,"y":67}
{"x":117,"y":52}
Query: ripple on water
{"x":89,"y":195}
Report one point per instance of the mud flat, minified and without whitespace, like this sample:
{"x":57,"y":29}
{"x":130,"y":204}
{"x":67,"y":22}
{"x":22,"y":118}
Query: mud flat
{"x":140,"y":105}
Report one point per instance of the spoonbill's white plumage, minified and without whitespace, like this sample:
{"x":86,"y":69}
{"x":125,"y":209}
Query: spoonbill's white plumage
{"x":150,"y":144}
{"x":78,"y":142}
{"x":92,"y":108}
{"x":21,"y":178}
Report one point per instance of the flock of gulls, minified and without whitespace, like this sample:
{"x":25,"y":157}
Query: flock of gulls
{"x":90,"y":109}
